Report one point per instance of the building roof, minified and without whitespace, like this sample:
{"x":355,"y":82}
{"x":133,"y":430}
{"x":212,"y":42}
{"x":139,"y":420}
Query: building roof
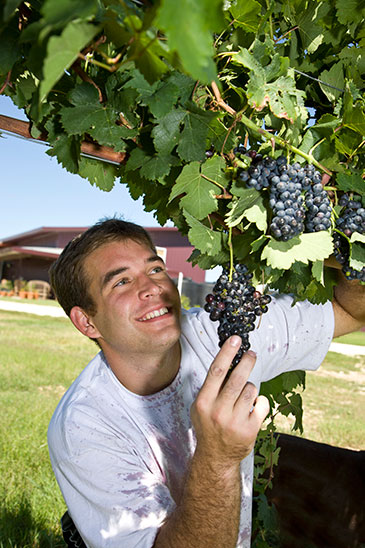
{"x":42,"y":230}
{"x":72,"y":229}
{"x":11,"y":252}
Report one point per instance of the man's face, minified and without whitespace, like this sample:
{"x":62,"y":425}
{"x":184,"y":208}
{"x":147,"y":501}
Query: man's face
{"x":138,"y":305}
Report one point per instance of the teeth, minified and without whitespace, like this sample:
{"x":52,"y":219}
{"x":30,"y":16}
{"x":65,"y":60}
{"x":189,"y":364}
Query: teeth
{"x":154,"y":314}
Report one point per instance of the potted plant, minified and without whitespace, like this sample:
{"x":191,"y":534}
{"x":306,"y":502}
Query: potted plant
{"x":23,"y":291}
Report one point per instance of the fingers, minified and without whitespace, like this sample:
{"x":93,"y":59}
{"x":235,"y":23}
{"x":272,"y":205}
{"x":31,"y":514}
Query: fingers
{"x":236,"y":385}
{"x":219,"y":368}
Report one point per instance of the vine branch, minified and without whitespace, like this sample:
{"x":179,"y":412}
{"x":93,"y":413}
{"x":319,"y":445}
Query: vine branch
{"x":264,"y":133}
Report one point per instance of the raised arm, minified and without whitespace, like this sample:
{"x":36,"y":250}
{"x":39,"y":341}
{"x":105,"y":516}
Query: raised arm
{"x":226,"y":425}
{"x":348,"y":305}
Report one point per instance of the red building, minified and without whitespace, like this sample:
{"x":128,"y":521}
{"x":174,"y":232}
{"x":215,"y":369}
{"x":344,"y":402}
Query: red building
{"x":29,"y":255}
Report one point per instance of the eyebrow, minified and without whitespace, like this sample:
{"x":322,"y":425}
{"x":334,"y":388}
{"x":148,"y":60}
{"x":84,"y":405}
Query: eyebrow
{"x":112,"y":273}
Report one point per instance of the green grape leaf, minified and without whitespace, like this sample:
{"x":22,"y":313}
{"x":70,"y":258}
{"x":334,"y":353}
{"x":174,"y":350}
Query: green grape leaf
{"x":58,"y":13}
{"x":248,"y":198}
{"x":10,"y":7}
{"x":317,"y":271}
{"x":257,"y":214}
{"x":157,"y":166}
{"x":357,"y":253}
{"x":185,"y":84}
{"x":199,"y":199}
{"x":191,"y":36}
{"x":246,"y":14}
{"x":242,"y":243}
{"x":217,"y":136}
{"x":355,"y":119}
{"x":351,"y":182}
{"x":166,"y":133}
{"x":161,"y":101}
{"x":286,"y":382}
{"x":296,"y":408}
{"x":139,"y":83}
{"x":213,"y":169}
{"x":192,"y":144}
{"x":90,"y":116}
{"x":62,"y":51}
{"x":98,"y":173}
{"x":67,"y":151}
{"x":306,"y":247}
{"x":266,"y":513}
{"x":357,"y":258}
{"x":136,"y":159}
{"x":349,"y":11}
{"x":335,"y":78}
{"x":248,"y":60}
{"x":357,"y":237}
{"x":203,"y":238}
{"x":148,"y":57}
{"x":9,"y":48}
{"x":262,"y":240}
{"x":310,"y":29}
{"x":206,"y":262}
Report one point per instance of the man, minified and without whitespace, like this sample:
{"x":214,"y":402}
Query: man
{"x":150,"y":447}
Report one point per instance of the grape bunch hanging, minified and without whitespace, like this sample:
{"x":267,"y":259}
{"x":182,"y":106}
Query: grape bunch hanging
{"x":296,"y":195}
{"x":352,"y":220}
{"x":299,"y":203}
{"x":236,"y":304}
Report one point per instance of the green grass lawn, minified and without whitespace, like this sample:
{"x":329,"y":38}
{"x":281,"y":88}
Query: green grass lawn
{"x":352,"y":338}
{"x":334,"y":403}
{"x":39,"y":359}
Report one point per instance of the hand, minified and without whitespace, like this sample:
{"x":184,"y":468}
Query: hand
{"x":227,"y":414}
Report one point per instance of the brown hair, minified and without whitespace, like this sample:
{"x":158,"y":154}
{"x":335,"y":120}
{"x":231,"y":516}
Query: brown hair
{"x":67,"y":276}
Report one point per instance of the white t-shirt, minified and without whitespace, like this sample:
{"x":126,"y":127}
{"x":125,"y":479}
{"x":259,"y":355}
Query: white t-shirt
{"x":120,"y":459}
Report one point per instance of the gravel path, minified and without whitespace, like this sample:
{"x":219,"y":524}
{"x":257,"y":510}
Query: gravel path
{"x":39,"y":309}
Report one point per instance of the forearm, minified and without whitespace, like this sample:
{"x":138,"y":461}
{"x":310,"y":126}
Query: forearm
{"x":209,"y":511}
{"x":226,"y":416}
{"x":349,"y":306}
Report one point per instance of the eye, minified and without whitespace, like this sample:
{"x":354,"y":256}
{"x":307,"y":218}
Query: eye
{"x":121,"y":282}
{"x":157,"y":269}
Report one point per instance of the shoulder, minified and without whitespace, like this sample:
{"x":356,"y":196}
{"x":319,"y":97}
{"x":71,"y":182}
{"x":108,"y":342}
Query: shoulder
{"x":85,"y":410}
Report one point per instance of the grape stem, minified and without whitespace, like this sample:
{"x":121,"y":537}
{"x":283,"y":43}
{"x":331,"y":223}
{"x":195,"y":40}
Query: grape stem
{"x":230,"y":253}
{"x":267,"y":135}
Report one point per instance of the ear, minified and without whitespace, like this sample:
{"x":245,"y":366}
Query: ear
{"x":84,"y":323}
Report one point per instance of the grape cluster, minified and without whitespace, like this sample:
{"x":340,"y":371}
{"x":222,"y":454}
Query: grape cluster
{"x":236,"y":305}
{"x":258,"y":174}
{"x":286,"y":202}
{"x":352,"y":219}
{"x":296,"y":195}
{"x":319,"y":209}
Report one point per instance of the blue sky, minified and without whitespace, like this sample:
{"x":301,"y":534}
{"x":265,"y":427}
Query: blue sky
{"x":36,"y":191}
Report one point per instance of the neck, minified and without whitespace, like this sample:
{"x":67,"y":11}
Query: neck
{"x":145,"y":375}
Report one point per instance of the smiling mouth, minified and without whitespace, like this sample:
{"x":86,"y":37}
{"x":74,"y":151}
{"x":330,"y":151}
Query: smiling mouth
{"x":154,"y":314}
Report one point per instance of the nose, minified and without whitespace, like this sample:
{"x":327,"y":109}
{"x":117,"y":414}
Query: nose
{"x":148,"y":288}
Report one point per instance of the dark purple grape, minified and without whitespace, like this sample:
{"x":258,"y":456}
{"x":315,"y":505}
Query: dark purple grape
{"x":236,"y":304}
